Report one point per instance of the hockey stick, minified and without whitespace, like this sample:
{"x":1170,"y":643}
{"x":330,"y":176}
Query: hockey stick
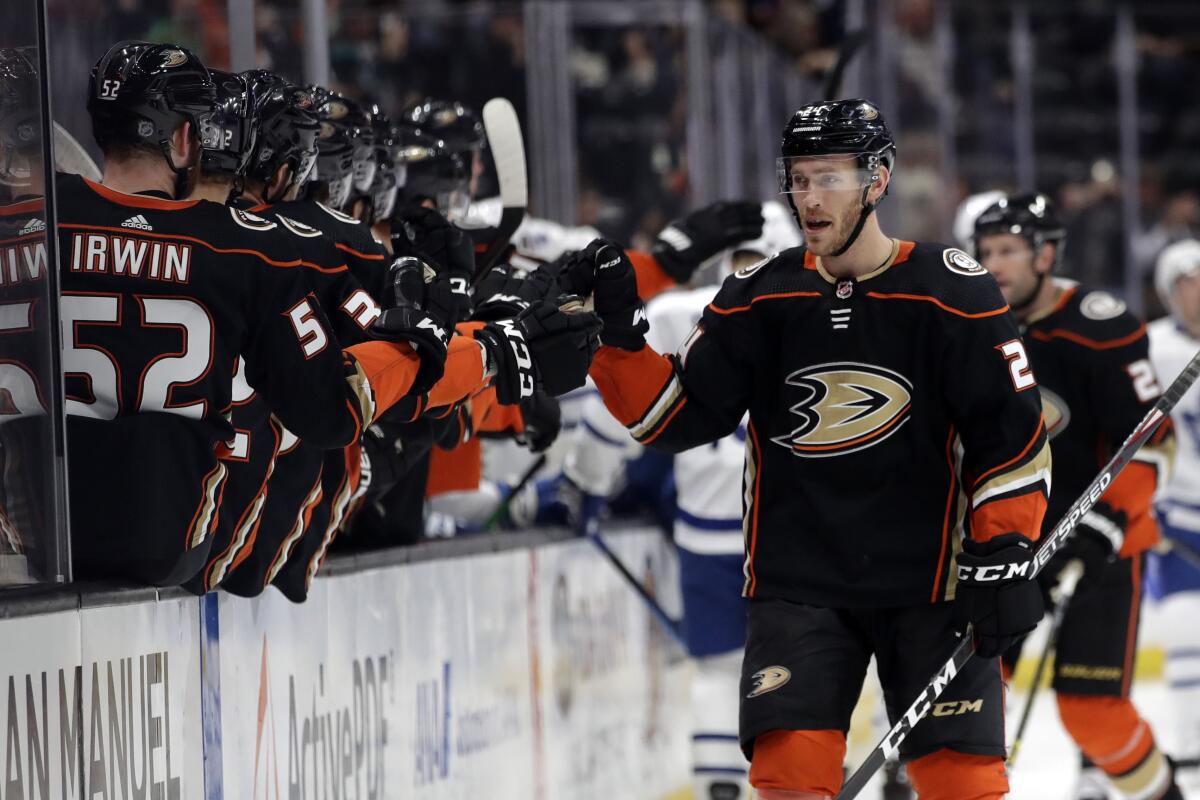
{"x":508,"y":151}
{"x":655,"y":609}
{"x":503,"y":505}
{"x":1065,"y":590}
{"x":851,"y":43}
{"x":69,"y":156}
{"x":1047,"y":547}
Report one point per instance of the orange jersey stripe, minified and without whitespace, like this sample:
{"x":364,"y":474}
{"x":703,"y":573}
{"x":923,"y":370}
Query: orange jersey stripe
{"x":937,"y":575}
{"x":930,"y":299}
{"x":630,"y":382}
{"x":1016,"y":458}
{"x":457,"y":470}
{"x":390,"y":368}
{"x":365,"y":256}
{"x":1022,"y":513}
{"x":463,"y":375}
{"x":758,"y":468}
{"x":1092,"y":344}
{"x":736,"y":309}
{"x":147,"y":235}
{"x":138,"y":200}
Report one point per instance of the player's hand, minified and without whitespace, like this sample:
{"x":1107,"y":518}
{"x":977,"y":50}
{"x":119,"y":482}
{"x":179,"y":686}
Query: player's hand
{"x":543,"y":346}
{"x":543,"y":421}
{"x":1101,"y":534}
{"x":426,"y":234}
{"x":504,"y":293}
{"x":688,"y":242}
{"x":604,"y":271}
{"x":424,"y":308}
{"x":995,"y":593}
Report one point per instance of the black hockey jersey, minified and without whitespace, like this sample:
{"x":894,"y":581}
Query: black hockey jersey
{"x":366,"y":258}
{"x":158,"y":299}
{"x":1092,"y":361}
{"x":889,"y":416}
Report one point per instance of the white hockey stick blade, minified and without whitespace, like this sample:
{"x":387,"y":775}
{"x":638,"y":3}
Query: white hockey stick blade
{"x":69,"y":156}
{"x":508,"y":151}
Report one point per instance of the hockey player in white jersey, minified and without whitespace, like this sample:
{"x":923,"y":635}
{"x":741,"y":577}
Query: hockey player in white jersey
{"x":1174,"y":339}
{"x":707,"y":526}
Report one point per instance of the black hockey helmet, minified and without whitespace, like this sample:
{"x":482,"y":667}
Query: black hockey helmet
{"x":434,"y":172}
{"x":1032,"y":216}
{"x":458,"y":127}
{"x":333,"y":177}
{"x":852,"y":127}
{"x":287,"y":127}
{"x":227,"y":133}
{"x":140,"y":93}
{"x":20,"y":127}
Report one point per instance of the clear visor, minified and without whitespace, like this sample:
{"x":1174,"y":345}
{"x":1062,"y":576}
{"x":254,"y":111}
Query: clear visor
{"x":339,"y":190}
{"x":454,"y":204}
{"x":833,"y":173}
{"x":385,"y":202}
{"x":364,"y":168}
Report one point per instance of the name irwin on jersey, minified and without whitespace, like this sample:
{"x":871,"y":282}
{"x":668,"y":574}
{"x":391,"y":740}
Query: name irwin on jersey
{"x":131,"y":256}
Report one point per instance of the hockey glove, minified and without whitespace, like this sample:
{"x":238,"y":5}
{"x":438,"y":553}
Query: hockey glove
{"x":423,"y":313}
{"x":426,"y":234}
{"x":543,"y":421}
{"x":1101,"y":535}
{"x":995,"y":593}
{"x":542,"y":345}
{"x":688,"y":242}
{"x":503,"y":293}
{"x":604,"y":271}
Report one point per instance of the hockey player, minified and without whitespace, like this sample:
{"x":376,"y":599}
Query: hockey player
{"x":156,"y":295}
{"x":893,"y":431}
{"x":1091,"y":359}
{"x":1174,"y":339}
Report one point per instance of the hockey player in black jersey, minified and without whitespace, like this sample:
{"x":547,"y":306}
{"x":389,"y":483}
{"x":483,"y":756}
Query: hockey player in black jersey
{"x":895,"y":433}
{"x":160,"y":296}
{"x":1091,"y":357}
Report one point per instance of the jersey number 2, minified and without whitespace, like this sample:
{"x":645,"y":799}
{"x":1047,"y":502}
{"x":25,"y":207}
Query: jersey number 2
{"x":1145,"y":382}
{"x":1018,"y":364}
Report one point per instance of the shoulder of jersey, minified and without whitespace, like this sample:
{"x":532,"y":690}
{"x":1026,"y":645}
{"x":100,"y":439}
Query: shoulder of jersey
{"x":949,"y":276}
{"x":1098,"y":316}
{"x":777,"y":274}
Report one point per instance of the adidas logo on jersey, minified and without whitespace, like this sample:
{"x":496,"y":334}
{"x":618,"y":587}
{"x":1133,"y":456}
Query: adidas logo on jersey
{"x":34,"y":225}
{"x":137,"y":221}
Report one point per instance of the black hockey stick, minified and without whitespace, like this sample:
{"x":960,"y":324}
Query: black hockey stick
{"x":656,"y":610}
{"x":503,"y":505}
{"x":1047,"y":547}
{"x":851,"y":43}
{"x":508,"y":152}
{"x":1067,"y":581}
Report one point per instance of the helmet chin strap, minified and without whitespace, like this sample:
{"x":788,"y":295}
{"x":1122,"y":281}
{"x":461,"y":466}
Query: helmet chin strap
{"x":867,"y":208}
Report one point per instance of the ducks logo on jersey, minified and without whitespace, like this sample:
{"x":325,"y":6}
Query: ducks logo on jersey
{"x":847,"y":407}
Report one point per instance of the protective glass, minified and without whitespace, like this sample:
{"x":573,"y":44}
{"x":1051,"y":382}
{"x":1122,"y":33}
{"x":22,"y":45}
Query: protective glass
{"x":834,"y":173}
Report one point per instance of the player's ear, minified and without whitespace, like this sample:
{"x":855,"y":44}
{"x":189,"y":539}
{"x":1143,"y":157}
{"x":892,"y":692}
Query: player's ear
{"x":1045,"y":258}
{"x":879,"y":187}
{"x":184,"y":145}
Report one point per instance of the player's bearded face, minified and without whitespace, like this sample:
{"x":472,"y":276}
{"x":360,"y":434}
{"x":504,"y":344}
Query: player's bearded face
{"x":830,"y":202}
{"x":1010,"y":260}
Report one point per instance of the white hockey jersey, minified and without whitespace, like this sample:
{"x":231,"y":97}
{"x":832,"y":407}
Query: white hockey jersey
{"x":1170,"y":350}
{"x":708,"y":479}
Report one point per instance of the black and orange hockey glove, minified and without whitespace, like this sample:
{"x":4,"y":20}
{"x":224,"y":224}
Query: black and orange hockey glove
{"x":423,"y":311}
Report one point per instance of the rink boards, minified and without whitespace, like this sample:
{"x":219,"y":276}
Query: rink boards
{"x":528,"y":673}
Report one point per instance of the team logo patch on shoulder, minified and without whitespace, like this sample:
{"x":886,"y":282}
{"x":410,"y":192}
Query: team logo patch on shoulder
{"x":1101,"y":306}
{"x":298,"y":228}
{"x":339,"y":216}
{"x":251,"y":221}
{"x":958,"y":261}
{"x":768,"y":680}
{"x":846,"y":407}
{"x":746,"y":272}
{"x":1055,"y":411}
